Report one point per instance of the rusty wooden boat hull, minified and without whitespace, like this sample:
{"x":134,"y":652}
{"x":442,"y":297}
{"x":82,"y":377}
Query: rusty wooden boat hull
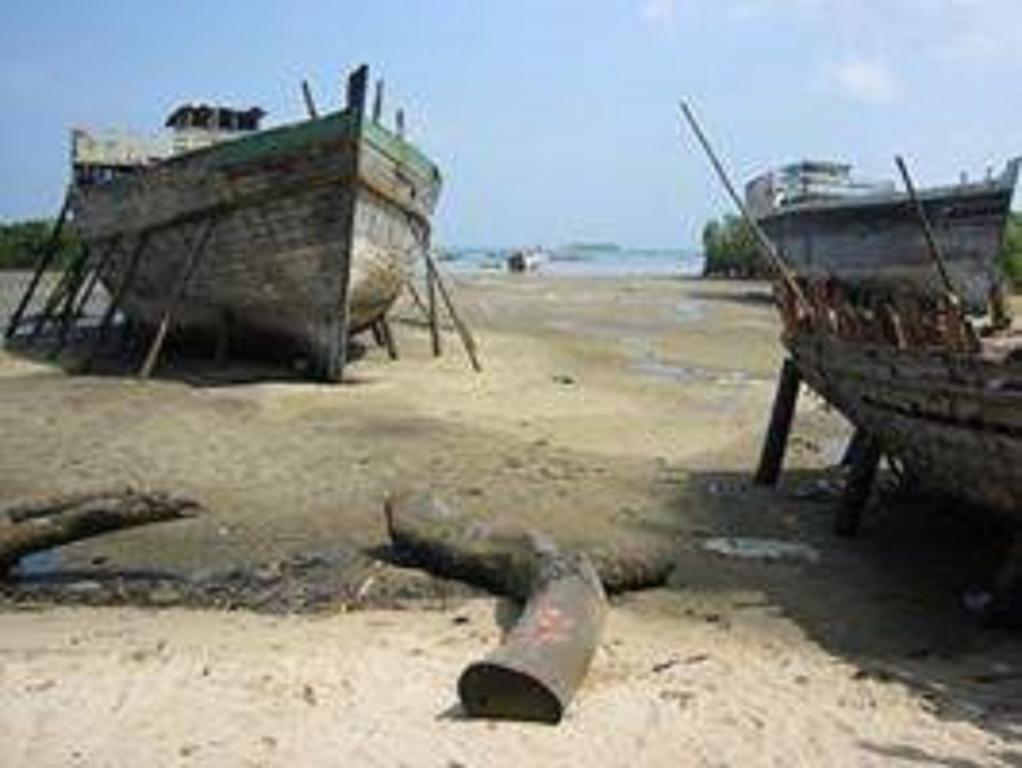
{"x":305,"y":222}
{"x":954,"y":419}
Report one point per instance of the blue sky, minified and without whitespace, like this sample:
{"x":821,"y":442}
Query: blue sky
{"x":553,"y":120}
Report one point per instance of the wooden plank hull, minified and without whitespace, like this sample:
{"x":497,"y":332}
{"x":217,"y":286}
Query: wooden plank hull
{"x":291,"y":210}
{"x":876,"y":241}
{"x":954,"y":419}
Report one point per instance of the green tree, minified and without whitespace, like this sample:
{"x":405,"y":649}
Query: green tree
{"x":21,"y":242}
{"x":730,"y":249}
{"x":1011,"y":254}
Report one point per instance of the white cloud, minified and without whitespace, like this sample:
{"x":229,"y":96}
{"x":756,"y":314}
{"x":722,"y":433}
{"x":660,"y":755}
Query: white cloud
{"x":660,"y":12}
{"x":868,"y":80}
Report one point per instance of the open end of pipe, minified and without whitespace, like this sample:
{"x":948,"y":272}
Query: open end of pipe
{"x":491,"y":690}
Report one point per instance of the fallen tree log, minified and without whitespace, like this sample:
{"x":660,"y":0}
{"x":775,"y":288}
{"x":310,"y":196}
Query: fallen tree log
{"x":39,"y":526}
{"x":497,"y":555}
{"x":536,"y":671}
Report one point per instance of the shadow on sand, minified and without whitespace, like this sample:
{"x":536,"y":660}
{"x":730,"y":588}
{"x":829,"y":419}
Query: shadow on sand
{"x":892,"y":602}
{"x":192,"y":361}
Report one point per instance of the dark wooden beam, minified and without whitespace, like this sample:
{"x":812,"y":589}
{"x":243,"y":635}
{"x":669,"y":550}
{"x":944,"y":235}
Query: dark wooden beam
{"x":115,"y":301}
{"x":776,"y":442}
{"x":42,"y":263}
{"x":857,"y":488}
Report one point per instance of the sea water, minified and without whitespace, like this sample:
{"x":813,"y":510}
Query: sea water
{"x":610,"y":261}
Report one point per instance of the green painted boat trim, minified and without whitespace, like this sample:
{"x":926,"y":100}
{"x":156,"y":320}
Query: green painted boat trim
{"x":288,"y":139}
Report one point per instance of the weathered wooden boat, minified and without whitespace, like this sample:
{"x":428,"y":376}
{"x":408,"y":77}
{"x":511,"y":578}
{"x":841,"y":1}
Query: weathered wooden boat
{"x":875,"y":324}
{"x":826,"y":224}
{"x":299,"y":235}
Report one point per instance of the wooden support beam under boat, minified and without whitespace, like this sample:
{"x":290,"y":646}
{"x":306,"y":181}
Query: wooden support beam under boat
{"x":431,"y":307}
{"x":387,"y":333}
{"x":776,"y":442}
{"x":463,"y":332}
{"x":67,"y":312}
{"x":97,"y":273}
{"x":857,"y":488}
{"x":63,"y":292}
{"x":858,"y":442}
{"x":115,"y":301}
{"x":174,"y":303}
{"x":42,"y":263}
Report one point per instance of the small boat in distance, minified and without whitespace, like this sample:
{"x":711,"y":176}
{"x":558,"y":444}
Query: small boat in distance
{"x":526,"y":260}
{"x":297,"y":236}
{"x":826,"y":223}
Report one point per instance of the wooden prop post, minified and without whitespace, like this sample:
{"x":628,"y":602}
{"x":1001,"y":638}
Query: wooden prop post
{"x":72,"y":301}
{"x":766,"y":247}
{"x":94,"y":278}
{"x":387,"y":336}
{"x":463,"y":332}
{"x":42,"y":263}
{"x":115,"y":301}
{"x":174,"y":303}
{"x":857,"y":488}
{"x":776,"y":442}
{"x":931,"y":241}
{"x":433,"y":315}
{"x":63,"y":292}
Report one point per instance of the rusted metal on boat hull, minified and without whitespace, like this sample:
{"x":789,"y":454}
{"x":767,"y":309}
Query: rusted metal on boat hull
{"x":536,"y":671}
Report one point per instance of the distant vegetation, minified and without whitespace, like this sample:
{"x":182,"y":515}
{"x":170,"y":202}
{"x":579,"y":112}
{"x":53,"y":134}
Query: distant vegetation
{"x":1011,"y":256}
{"x":730,"y":249}
{"x":22,"y":241}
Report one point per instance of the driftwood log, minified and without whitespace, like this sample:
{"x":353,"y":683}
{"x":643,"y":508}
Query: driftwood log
{"x":38,"y":526}
{"x":536,"y":671}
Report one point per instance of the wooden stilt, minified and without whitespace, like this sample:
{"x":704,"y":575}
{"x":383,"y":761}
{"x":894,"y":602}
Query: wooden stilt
{"x":115,"y":301}
{"x":174,"y":302}
{"x":857,"y":488}
{"x":74,"y":290}
{"x":776,"y":442}
{"x":417,"y":300}
{"x":44,"y":261}
{"x":64,"y":290}
{"x":856,"y":445}
{"x":431,"y":309}
{"x":463,"y":332}
{"x":94,"y":278}
{"x":388,"y":338}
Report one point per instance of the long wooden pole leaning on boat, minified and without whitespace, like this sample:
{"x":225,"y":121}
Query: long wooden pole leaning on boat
{"x":767,"y":249}
{"x":310,"y":104}
{"x":45,"y":257}
{"x":931,"y":242}
{"x":463,"y":332}
{"x":965,"y":334}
